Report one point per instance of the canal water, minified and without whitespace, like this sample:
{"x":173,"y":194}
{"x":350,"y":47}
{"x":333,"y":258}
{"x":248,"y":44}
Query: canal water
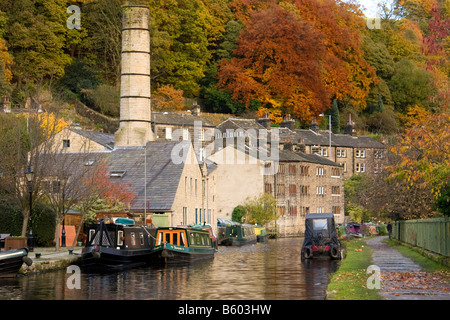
{"x":270,"y":271}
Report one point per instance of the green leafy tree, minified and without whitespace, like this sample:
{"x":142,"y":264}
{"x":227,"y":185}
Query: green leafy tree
{"x":260,"y":209}
{"x":238,"y":214}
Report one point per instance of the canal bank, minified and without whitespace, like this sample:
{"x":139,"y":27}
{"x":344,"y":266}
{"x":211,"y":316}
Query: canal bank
{"x":49,"y":259}
{"x":400,"y":277}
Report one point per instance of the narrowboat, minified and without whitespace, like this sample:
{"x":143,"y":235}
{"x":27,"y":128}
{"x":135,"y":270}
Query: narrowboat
{"x":261,"y":233}
{"x":12,"y":260}
{"x":184,"y":244}
{"x":235,"y":234}
{"x":117,"y":245}
{"x":320,"y":237}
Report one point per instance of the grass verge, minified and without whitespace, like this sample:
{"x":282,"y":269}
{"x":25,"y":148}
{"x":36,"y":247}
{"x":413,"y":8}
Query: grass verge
{"x":349,"y":281}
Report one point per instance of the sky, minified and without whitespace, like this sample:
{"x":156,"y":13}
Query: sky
{"x":371,"y":7}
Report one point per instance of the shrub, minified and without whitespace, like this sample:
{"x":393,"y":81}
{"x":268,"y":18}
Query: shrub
{"x":44,"y":225}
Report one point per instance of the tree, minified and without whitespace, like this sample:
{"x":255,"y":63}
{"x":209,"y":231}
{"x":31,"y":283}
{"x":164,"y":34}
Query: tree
{"x":268,"y":64}
{"x":420,"y":172}
{"x":260,"y":209}
{"x":238,"y":214}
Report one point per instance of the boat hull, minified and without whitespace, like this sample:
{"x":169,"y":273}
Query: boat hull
{"x":11,"y":261}
{"x":173,"y":257}
{"x":111,"y":259}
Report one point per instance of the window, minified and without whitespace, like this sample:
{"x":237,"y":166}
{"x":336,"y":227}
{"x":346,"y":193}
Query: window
{"x":185,"y":134}
{"x":320,"y":191}
{"x":184,"y":215}
{"x":168,"y":133}
{"x":360,"y":167}
{"x":267,"y":188}
{"x":281,"y":210}
{"x":66,"y":143}
{"x":320,"y":210}
{"x":335,"y":172}
{"x":360,"y":153}
{"x":320,"y":171}
{"x":282,"y":168}
{"x":292,"y":169}
{"x":280,"y":189}
{"x":378,"y":154}
{"x":293,"y":210}
{"x":335,"y":191}
{"x":117,"y":173}
{"x":141,"y":238}
{"x":133,"y":239}
{"x":341,"y":153}
{"x":195,"y":187}
{"x":303,"y":190}
{"x":292,"y":189}
{"x":120,"y":237}
{"x":336,"y":210}
{"x":190,"y":186}
{"x":304,"y":170}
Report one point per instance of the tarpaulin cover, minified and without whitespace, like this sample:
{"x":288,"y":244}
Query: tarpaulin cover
{"x":320,"y":229}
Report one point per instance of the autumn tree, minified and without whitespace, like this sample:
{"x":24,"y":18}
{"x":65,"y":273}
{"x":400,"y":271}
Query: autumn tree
{"x":295,"y":56}
{"x":420,"y":172}
{"x":260,"y":209}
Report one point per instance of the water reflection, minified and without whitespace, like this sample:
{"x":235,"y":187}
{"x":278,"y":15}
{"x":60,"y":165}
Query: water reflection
{"x":262,"y":271}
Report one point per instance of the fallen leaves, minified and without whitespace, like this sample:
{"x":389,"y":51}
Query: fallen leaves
{"x":415,"y":283}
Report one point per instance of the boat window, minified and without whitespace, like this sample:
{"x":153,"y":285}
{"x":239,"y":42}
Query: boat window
{"x":192,"y":238}
{"x":91,"y":234}
{"x":320,"y":224}
{"x":167,"y":237}
{"x":182,"y":241}
{"x":120,"y":237}
{"x":159,"y":238}
{"x":141,"y":236}
{"x":133,"y":239}
{"x":175,"y":239}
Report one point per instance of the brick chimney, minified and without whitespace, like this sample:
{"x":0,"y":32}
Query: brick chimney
{"x":350,"y":128}
{"x":288,"y":122}
{"x":314,"y":126}
{"x":265,"y":121}
{"x":135,"y":107}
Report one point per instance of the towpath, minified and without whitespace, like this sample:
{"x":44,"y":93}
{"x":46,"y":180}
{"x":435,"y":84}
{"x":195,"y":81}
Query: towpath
{"x":402,"y":279}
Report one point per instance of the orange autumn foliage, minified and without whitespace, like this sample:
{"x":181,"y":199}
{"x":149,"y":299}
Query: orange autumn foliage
{"x":294,"y":57}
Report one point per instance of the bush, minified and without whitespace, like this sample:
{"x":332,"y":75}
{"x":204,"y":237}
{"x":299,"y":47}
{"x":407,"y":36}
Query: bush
{"x":11,"y":218}
{"x":44,"y":225}
{"x":238,"y":214}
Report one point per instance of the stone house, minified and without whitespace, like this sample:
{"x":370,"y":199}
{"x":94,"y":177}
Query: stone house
{"x":78,"y":140}
{"x":238,"y":175}
{"x":357,"y":154}
{"x":305,"y":183}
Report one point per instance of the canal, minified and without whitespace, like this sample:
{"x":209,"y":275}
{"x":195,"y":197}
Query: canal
{"x":270,"y":271}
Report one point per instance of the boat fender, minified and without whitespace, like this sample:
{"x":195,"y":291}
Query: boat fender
{"x":308,"y":253}
{"x":27,"y":260}
{"x":334,"y":252}
{"x":96,"y":255}
{"x":164,"y":254}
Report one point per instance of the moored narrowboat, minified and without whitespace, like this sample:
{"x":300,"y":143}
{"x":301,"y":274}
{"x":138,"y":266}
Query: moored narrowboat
{"x":12,"y":260}
{"x":183,"y":244}
{"x":235,"y":234}
{"x":261,"y":233}
{"x":117,"y":245}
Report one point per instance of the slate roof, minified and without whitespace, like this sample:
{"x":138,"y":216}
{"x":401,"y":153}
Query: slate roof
{"x":322,"y":138}
{"x":163,"y":175}
{"x":291,"y":156}
{"x":235,"y":123}
{"x":179,"y":119}
{"x":105,"y":139}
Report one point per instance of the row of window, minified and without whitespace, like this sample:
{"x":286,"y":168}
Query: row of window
{"x":300,"y":189}
{"x":200,"y":216}
{"x":302,"y":211}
